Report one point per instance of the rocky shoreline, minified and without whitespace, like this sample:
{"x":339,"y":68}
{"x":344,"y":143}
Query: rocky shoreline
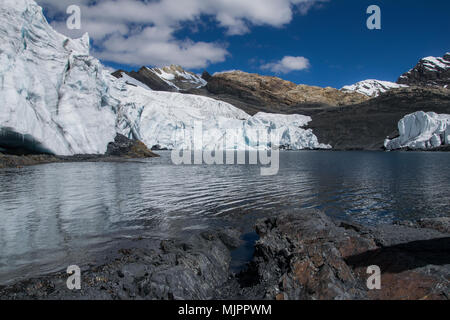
{"x":121,"y":150}
{"x":305,"y":255}
{"x":14,"y":161}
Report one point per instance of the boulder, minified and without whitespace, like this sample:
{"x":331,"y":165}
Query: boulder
{"x":124,"y":147}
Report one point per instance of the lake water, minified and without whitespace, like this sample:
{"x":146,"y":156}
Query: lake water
{"x":59,"y":214}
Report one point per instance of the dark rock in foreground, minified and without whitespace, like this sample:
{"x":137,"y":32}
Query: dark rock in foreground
{"x":192,"y":269}
{"x":308,"y":256}
{"x":299,"y":256}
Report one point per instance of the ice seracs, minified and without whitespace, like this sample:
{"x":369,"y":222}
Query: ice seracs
{"x":372,"y":88}
{"x":65,"y":101}
{"x":170,"y":120}
{"x":50,"y":88}
{"x":421,"y":130}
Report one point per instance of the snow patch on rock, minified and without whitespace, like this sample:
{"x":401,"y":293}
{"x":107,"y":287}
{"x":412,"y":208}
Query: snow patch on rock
{"x":178,"y":78}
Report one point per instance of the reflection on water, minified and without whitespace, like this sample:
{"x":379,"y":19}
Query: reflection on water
{"x":55,"y":212}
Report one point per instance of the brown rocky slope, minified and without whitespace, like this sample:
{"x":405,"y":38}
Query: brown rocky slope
{"x":254,"y":93}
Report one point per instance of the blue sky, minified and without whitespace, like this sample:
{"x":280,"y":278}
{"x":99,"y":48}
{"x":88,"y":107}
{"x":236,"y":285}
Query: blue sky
{"x":331,"y":35}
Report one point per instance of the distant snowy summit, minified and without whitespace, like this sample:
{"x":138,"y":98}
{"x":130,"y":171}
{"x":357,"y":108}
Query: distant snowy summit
{"x":171,"y":78}
{"x":430,"y":71}
{"x":372,"y":88}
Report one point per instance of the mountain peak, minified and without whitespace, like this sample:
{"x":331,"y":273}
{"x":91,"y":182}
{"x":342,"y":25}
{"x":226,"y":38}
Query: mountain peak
{"x":430,"y":71}
{"x":372,"y":88}
{"x":170,"y":78}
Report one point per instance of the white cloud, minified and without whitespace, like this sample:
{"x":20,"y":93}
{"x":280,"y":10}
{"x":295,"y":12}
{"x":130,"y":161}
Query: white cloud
{"x":143,"y":32}
{"x":288,"y":64}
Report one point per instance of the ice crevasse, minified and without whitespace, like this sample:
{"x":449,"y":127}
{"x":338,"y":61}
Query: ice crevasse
{"x":65,"y":101}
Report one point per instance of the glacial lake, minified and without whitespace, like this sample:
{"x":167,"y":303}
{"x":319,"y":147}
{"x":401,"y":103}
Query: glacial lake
{"x":55,"y":215}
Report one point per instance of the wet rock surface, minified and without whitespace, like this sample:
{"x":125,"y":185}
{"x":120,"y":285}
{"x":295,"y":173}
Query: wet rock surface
{"x":306,"y":255}
{"x":191,"y":269}
{"x":309,"y":256}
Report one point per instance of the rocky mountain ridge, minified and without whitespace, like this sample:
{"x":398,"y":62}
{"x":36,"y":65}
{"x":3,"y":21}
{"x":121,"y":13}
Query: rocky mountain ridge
{"x":372,"y":88}
{"x":171,"y":78}
{"x":253,"y":92}
{"x":267,"y":90}
{"x":430,"y":71}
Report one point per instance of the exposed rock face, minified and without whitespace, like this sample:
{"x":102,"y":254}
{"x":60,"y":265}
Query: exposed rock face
{"x":366,"y":126}
{"x":430,"y":71}
{"x":309,"y":256}
{"x":302,"y":257}
{"x":124,"y":147}
{"x":206,"y":76}
{"x":172,"y":78}
{"x":192,"y":269}
{"x":274,"y":94}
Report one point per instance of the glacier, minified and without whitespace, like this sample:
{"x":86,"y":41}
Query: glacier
{"x":65,"y":101}
{"x":421,"y":130}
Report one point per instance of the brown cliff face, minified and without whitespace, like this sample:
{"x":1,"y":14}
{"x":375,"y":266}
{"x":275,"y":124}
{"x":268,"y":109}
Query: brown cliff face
{"x":272,"y":93}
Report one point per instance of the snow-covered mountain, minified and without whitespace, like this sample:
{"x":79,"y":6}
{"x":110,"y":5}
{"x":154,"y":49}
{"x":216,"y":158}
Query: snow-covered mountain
{"x":178,"y":78}
{"x":58,"y":96}
{"x":430,"y":71}
{"x":172,"y":78}
{"x":421,"y":130}
{"x":372,"y":88}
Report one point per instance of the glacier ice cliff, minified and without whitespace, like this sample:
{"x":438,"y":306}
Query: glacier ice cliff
{"x":421,"y":130}
{"x":66,"y":102}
